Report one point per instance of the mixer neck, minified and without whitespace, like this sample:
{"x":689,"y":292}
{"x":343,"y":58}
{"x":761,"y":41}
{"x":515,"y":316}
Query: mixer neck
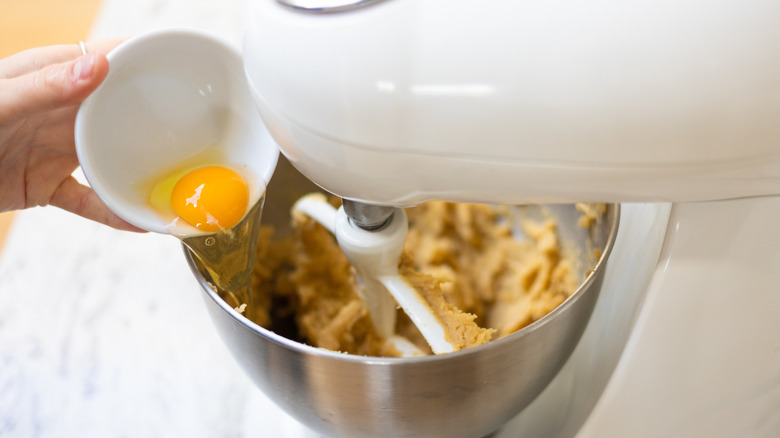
{"x":367,"y":216}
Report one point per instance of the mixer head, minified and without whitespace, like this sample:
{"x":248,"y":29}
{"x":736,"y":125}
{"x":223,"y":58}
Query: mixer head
{"x":401,"y":102}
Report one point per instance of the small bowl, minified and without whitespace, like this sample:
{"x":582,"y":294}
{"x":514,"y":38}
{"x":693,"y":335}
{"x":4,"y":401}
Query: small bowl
{"x":172,"y":98}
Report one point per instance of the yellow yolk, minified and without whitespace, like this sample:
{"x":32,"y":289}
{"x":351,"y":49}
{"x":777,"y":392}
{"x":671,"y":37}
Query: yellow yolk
{"x":211,"y":198}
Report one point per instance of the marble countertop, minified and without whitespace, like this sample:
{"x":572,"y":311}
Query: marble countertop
{"x":104,"y":333}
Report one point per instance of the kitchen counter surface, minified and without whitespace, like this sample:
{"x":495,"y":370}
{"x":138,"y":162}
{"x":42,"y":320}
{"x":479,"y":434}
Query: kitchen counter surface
{"x":104,"y":333}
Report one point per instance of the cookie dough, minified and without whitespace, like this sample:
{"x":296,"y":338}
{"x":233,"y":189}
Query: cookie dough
{"x":465,"y":259}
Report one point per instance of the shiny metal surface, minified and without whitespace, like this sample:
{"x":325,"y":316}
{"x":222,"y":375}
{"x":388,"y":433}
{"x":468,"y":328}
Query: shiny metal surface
{"x":326,"y":5}
{"x":469,"y":393}
{"x":366,"y":216}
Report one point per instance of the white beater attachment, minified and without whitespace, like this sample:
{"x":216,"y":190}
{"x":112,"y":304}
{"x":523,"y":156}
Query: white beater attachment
{"x":375,"y":256}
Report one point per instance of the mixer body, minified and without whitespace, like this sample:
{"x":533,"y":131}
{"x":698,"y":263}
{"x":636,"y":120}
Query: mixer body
{"x":404,"y":101}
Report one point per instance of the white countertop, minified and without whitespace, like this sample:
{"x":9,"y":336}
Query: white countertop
{"x":104,"y":333}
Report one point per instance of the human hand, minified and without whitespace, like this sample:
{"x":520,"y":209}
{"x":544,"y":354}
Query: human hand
{"x":40,"y":92}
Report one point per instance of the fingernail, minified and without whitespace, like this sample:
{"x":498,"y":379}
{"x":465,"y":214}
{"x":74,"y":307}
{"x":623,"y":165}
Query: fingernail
{"x":82,"y":68}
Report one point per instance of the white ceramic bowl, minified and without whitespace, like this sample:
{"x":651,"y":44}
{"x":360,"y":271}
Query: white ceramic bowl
{"x":171,"y":97}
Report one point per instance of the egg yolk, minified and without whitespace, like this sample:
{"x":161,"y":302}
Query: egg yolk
{"x":211,"y":198}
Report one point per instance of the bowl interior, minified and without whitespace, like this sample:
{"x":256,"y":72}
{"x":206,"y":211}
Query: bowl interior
{"x":587,"y":247}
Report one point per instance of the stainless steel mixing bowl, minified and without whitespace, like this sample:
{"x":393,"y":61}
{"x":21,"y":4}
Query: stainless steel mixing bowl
{"x":469,"y":393}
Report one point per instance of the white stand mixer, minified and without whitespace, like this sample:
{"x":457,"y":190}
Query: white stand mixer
{"x":398,"y":102}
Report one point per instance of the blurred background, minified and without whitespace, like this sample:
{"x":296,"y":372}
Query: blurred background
{"x":104,"y":333}
{"x":34,"y":23}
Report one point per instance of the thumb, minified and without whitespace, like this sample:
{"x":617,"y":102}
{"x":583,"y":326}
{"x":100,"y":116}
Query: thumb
{"x":51,"y":87}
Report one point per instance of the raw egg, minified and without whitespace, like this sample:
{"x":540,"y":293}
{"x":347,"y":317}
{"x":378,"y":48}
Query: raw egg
{"x":211,"y":198}
{"x":215,"y":211}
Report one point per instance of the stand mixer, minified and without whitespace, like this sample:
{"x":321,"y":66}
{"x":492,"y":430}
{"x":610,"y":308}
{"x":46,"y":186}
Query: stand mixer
{"x":397,"y":102}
